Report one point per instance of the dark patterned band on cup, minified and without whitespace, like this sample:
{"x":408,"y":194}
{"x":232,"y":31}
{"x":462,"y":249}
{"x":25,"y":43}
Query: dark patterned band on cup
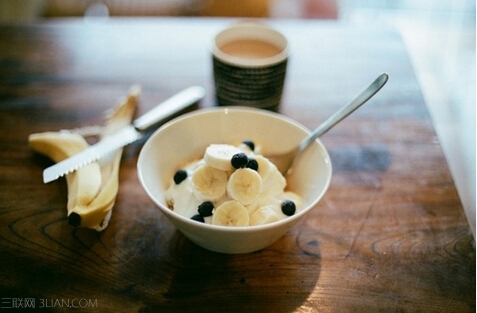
{"x":259,"y":87}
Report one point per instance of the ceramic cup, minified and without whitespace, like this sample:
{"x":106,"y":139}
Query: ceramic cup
{"x":249,"y":65}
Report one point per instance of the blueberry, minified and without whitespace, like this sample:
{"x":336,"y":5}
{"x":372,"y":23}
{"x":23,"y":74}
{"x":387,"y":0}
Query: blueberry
{"x":198,"y":218}
{"x":252,"y":164}
{"x":250,"y":144}
{"x":239,"y":160}
{"x":288,"y":207}
{"x":179,"y":176}
{"x":205,"y":208}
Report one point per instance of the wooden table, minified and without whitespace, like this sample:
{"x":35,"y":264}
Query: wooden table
{"x":390,"y":235}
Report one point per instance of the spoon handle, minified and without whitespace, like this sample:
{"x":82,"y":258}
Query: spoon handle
{"x":346,"y":110}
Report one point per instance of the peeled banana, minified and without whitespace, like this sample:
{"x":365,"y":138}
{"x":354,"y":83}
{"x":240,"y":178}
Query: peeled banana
{"x":92,"y":189}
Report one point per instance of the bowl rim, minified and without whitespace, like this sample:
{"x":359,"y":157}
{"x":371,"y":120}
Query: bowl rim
{"x":230,"y":110}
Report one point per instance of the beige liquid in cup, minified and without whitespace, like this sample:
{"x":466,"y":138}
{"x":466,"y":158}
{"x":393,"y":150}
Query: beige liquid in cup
{"x":250,"y":49}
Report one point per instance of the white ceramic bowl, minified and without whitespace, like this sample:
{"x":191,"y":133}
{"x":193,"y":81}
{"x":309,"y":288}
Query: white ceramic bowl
{"x":185,"y":138}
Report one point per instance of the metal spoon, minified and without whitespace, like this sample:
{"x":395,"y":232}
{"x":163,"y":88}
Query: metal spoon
{"x":284,"y":161}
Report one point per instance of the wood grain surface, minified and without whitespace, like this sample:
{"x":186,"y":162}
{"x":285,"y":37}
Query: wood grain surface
{"x":390,"y":235}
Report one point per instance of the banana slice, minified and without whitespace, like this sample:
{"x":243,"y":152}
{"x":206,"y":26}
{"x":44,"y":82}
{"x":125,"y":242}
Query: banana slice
{"x":244,"y":185}
{"x":219,"y":155}
{"x":209,"y":183}
{"x":273,"y":182}
{"x":264,"y":215}
{"x":231,"y":213}
{"x":264,"y":166}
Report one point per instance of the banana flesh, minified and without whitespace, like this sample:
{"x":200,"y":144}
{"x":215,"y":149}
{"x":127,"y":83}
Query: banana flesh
{"x":83,"y":184}
{"x":92,"y":189}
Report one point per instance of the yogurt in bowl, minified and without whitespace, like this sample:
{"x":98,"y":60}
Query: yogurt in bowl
{"x":232,"y":186}
{"x":182,"y":144}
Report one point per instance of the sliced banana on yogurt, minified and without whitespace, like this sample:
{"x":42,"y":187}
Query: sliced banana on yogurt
{"x":242,"y":188}
{"x":264,"y":167}
{"x":244,"y":185}
{"x":264,"y":215}
{"x":231,"y":213}
{"x":209,"y":183}
{"x":219,"y":155}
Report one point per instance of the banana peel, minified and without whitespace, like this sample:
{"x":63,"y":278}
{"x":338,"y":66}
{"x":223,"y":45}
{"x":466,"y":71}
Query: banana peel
{"x":92,"y":189}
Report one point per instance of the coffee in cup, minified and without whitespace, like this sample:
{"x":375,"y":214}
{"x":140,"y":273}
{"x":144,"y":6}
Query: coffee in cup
{"x":249,"y":64}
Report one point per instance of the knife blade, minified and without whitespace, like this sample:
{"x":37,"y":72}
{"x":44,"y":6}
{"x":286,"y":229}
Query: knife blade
{"x":126,"y":135}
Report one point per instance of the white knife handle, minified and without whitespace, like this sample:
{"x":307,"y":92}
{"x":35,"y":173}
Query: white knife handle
{"x":169,"y":107}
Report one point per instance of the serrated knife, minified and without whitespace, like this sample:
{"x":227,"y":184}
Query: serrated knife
{"x":126,"y":135}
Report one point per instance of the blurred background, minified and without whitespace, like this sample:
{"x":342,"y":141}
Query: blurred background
{"x":439,"y":34}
